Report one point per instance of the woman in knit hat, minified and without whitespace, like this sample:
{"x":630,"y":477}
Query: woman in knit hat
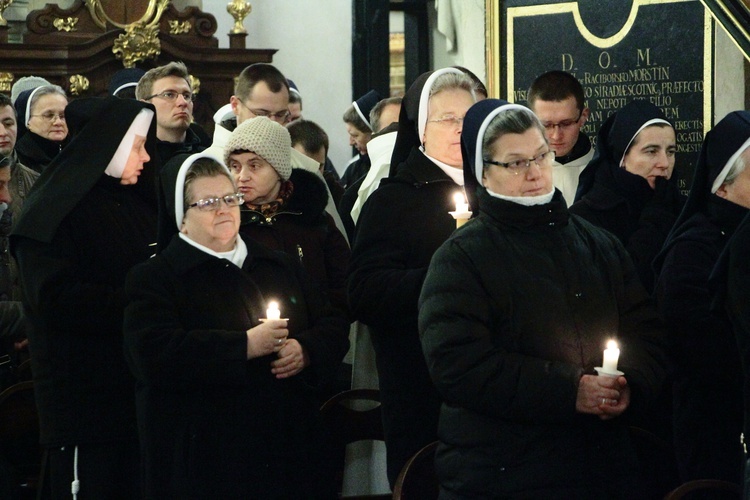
{"x":42,"y":127}
{"x":626,"y":186}
{"x":89,"y":218}
{"x":516,"y":309}
{"x":285,"y":208}
{"x":226,"y":400}
{"x":707,"y":390}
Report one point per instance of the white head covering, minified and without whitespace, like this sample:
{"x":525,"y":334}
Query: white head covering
{"x":140,"y":126}
{"x":479,"y":158}
{"x":424,"y":98}
{"x":652,"y":121}
{"x":179,"y":187}
{"x":724,"y":171}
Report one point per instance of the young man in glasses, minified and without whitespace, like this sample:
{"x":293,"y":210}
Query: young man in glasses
{"x":168,"y":89}
{"x":556,"y":97}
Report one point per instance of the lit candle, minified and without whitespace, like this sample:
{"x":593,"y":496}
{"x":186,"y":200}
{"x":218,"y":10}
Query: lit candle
{"x":273,"y":312}
{"x":461,"y":205}
{"x":611,"y":355}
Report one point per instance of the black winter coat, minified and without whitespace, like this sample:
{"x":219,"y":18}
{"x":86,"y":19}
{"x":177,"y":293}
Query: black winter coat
{"x":401,"y":225}
{"x":707,"y":391}
{"x":74,"y":297}
{"x":639,"y":216}
{"x":213,"y":424}
{"x":37,"y":152}
{"x":516,"y":306}
{"x":306,"y":232}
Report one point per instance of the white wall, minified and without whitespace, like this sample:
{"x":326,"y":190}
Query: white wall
{"x":314,"y":42}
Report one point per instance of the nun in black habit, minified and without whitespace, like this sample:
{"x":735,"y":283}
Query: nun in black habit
{"x":707,"y":390}
{"x":227,"y":404}
{"x":401,"y":225}
{"x":515,"y":310}
{"x":625,"y":188}
{"x":88,"y":219}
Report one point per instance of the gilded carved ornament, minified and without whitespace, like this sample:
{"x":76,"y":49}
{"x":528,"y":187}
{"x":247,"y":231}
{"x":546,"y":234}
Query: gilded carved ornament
{"x":6,"y":79}
{"x":178,"y":28}
{"x":138,"y":43}
{"x":67,"y":25}
{"x":153,"y":13}
{"x":78,"y":84}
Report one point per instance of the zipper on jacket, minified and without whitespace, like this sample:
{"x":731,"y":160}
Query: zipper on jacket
{"x":299,"y":252}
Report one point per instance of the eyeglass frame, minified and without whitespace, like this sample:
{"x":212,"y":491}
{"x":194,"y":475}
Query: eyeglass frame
{"x":538,"y":159}
{"x":266,"y":113}
{"x":50,"y":117}
{"x":563,"y":125}
{"x":453,"y":121}
{"x":187,"y":96}
{"x":200,"y":204}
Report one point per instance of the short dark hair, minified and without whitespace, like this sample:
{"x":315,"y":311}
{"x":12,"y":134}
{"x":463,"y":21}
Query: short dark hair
{"x":556,"y":86}
{"x":309,"y":134}
{"x":377,"y":110}
{"x":259,"y":72}
{"x":146,"y":83}
{"x":6,"y":101}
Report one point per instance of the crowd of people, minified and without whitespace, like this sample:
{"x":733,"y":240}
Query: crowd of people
{"x":186,"y":301}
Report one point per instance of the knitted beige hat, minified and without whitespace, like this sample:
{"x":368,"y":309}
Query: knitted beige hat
{"x":265,"y":138}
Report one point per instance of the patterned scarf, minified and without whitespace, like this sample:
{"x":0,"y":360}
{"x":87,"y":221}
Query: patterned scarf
{"x":273,"y":207}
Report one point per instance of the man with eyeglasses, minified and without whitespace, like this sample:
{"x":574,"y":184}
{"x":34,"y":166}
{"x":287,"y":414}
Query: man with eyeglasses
{"x":556,"y":97}
{"x":168,"y":89}
{"x":261,"y":90}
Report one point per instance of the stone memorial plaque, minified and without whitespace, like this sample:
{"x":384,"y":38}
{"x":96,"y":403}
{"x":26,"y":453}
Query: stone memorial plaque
{"x":620,"y":50}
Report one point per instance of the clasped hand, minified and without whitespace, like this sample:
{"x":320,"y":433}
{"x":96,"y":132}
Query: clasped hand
{"x":271,"y":337}
{"x":606,"y":397}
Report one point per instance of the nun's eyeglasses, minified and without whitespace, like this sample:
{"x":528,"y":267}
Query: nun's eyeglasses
{"x":213,"y":203}
{"x":51,"y":117}
{"x":518,"y":166}
{"x":449,"y":121}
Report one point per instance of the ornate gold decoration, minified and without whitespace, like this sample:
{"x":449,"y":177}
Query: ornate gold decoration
{"x":153,"y":13}
{"x":78,"y":84}
{"x":239,"y":11}
{"x":177,"y":28}
{"x":68,"y":24}
{"x":195,"y":84}
{"x":138,"y":43}
{"x":6,"y":79}
{"x":4,"y":4}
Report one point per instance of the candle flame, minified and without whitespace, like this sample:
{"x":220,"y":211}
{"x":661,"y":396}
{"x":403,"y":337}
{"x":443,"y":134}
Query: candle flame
{"x":459,"y":198}
{"x":273,"y":305}
{"x":611,"y":344}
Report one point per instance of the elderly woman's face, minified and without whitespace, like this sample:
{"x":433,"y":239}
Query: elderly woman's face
{"x":48,"y":117}
{"x":255,"y":177}
{"x":652,"y":154}
{"x":137,"y":157}
{"x":534,"y":180}
{"x":216,"y":229}
{"x":442,"y":133}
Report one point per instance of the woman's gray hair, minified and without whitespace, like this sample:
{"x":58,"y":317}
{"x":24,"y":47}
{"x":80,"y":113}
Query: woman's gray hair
{"x":453,"y":81}
{"x":203,"y":167}
{"x":46,"y":90}
{"x":735,"y":170}
{"x":513,"y":121}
